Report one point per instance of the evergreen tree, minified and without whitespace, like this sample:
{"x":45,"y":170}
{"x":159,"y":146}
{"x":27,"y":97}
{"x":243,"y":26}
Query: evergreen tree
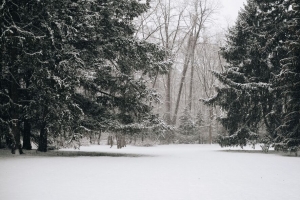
{"x":187,"y":125}
{"x":245,"y":79}
{"x":117,"y":73}
{"x":199,"y":126}
{"x":262,"y":55}
{"x":51,"y":50}
{"x":285,"y":45}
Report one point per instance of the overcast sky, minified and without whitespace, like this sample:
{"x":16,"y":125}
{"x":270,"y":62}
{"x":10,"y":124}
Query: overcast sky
{"x":229,"y":11}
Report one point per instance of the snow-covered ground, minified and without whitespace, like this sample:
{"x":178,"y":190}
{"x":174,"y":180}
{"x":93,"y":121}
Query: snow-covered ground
{"x":168,"y":172}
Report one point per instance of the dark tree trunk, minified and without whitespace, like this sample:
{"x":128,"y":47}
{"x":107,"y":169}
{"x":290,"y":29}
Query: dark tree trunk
{"x":27,"y":125}
{"x":15,"y":125}
{"x":16,"y":145}
{"x":26,"y":135}
{"x":43,"y":139}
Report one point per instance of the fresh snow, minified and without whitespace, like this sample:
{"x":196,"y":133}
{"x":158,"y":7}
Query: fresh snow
{"x":167,"y":172}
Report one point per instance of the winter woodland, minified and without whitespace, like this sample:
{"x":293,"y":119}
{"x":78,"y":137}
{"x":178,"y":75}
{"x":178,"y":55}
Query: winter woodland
{"x":159,"y":71}
{"x":155,"y":93}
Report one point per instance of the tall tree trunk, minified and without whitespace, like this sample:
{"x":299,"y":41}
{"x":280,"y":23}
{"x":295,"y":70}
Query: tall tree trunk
{"x":168,"y":99}
{"x":27,"y":125}
{"x":191,"y":85}
{"x":185,"y":67}
{"x":16,"y":145}
{"x":210,"y":124}
{"x":26,"y":135}
{"x":43,"y":133}
{"x":43,"y":138}
{"x":15,"y":128}
{"x":99,"y":137}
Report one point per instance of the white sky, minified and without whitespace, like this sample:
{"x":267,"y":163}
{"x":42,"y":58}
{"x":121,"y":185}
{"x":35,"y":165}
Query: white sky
{"x":229,"y":11}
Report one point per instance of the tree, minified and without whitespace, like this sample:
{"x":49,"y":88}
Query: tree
{"x":187,"y":125}
{"x":17,"y":33}
{"x":208,"y":60}
{"x":198,"y":19}
{"x":116,"y":74}
{"x":199,"y":121}
{"x":246,"y":96}
{"x":262,"y":60}
{"x":169,"y":23}
{"x":285,"y":46}
{"x":59,"y":47}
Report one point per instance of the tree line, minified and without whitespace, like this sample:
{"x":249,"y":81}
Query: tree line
{"x":74,"y":66}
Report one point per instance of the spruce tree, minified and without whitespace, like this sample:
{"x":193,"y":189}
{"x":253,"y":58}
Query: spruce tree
{"x":245,"y":80}
{"x":260,"y":81}
{"x":51,"y":50}
{"x":285,"y":45}
{"x":116,"y":75}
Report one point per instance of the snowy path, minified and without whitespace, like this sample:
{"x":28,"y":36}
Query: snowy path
{"x":172,"y":172}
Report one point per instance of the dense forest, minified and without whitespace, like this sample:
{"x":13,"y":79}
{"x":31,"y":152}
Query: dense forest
{"x":69,"y":68}
{"x":75,"y":68}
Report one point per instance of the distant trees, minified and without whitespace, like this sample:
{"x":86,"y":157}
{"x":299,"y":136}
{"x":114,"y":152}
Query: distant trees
{"x":183,"y":27}
{"x":179,"y":27}
{"x":200,"y":14}
{"x":261,"y":78}
{"x":68,"y":67}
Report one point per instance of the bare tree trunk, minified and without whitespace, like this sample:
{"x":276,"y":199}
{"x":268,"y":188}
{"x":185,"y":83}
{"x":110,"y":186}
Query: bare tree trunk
{"x":198,"y":18}
{"x":210,"y":124}
{"x":191,"y":85}
{"x":99,"y":137}
{"x":185,"y":67}
{"x":168,"y":99}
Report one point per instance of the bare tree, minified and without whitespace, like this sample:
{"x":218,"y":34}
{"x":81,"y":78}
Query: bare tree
{"x":165,"y":23}
{"x":200,"y":15}
{"x":208,"y":60}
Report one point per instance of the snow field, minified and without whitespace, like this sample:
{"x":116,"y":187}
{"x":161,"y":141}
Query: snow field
{"x":168,"y":172}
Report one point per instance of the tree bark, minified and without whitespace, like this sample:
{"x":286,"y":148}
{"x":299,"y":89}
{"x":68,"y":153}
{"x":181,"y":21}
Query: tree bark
{"x":99,"y":137}
{"x":43,"y":138}
{"x":210,"y":124}
{"x":185,"y":67}
{"x":26,"y":135}
{"x":27,"y":125}
{"x":191,"y":85}
{"x":15,"y":127}
{"x":168,"y":99}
